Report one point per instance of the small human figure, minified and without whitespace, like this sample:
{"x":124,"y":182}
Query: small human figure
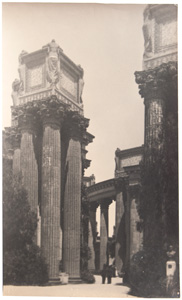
{"x":104,"y":273}
{"x":109,"y":274}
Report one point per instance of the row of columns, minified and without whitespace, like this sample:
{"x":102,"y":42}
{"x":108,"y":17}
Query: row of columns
{"x":128,"y":237}
{"x":28,"y":159}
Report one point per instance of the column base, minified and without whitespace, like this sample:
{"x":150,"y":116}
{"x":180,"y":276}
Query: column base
{"x":54,"y":281}
{"x":74,"y":280}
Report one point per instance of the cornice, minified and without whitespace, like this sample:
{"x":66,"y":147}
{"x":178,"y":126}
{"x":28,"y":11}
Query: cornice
{"x":26,"y":57}
{"x":101,"y":185}
{"x":127,"y":153}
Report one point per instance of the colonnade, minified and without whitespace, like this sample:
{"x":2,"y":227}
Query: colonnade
{"x":52,"y":175}
{"x":128,"y":237}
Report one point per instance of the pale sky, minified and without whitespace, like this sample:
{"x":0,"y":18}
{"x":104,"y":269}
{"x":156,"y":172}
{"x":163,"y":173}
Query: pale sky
{"x":107,"y":41}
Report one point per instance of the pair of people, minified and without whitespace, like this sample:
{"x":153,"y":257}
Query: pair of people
{"x":106,"y":273}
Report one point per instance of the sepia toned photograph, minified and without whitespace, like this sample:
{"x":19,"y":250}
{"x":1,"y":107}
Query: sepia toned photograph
{"x":90,"y":150}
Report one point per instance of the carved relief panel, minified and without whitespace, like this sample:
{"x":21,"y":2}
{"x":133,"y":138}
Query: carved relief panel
{"x":35,"y":76}
{"x":165,"y":35}
{"x":69,"y":84}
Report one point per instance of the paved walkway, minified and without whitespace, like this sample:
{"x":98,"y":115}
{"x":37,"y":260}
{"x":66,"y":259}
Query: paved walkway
{"x":113,"y":290}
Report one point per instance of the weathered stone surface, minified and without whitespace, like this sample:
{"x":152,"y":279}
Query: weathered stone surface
{"x":50,"y":202}
{"x":91,"y":261}
{"x":72,"y":210}
{"x":120,"y":248}
{"x":92,"y":234}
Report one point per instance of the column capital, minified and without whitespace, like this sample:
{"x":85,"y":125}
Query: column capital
{"x":75,"y":125}
{"x":27,"y":122}
{"x":105,"y":204}
{"x":13,"y":136}
{"x":93,"y":206}
{"x":156,"y":83}
{"x":121,"y":181}
{"x":134,"y":190}
{"x":52,"y":111}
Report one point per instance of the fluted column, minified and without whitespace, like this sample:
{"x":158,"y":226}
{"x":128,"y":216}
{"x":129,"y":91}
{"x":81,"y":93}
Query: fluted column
{"x":154,"y":87}
{"x":28,"y":162}
{"x":72,"y":199}
{"x":50,"y":202}
{"x":104,"y":233}
{"x":92,"y":234}
{"x":120,"y":246}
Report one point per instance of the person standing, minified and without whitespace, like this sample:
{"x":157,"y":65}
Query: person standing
{"x":104,"y":273}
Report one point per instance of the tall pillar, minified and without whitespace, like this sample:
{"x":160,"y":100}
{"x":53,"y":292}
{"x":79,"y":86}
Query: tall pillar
{"x":120,"y":246}
{"x":50,"y":202}
{"x":127,"y":228}
{"x":92,"y":234}
{"x":155,"y":87}
{"x":28,"y":162}
{"x":104,"y":233}
{"x":72,"y":203}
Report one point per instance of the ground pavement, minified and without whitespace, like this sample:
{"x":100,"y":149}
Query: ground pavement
{"x":114,"y":290}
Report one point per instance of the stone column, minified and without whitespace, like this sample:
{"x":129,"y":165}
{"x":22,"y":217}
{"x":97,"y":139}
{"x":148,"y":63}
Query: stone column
{"x":72,"y":202}
{"x":28,"y":162}
{"x":127,"y":228}
{"x":153,"y":85}
{"x":50,"y":202}
{"x":92,"y":234}
{"x":104,"y":233}
{"x":120,"y":247}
